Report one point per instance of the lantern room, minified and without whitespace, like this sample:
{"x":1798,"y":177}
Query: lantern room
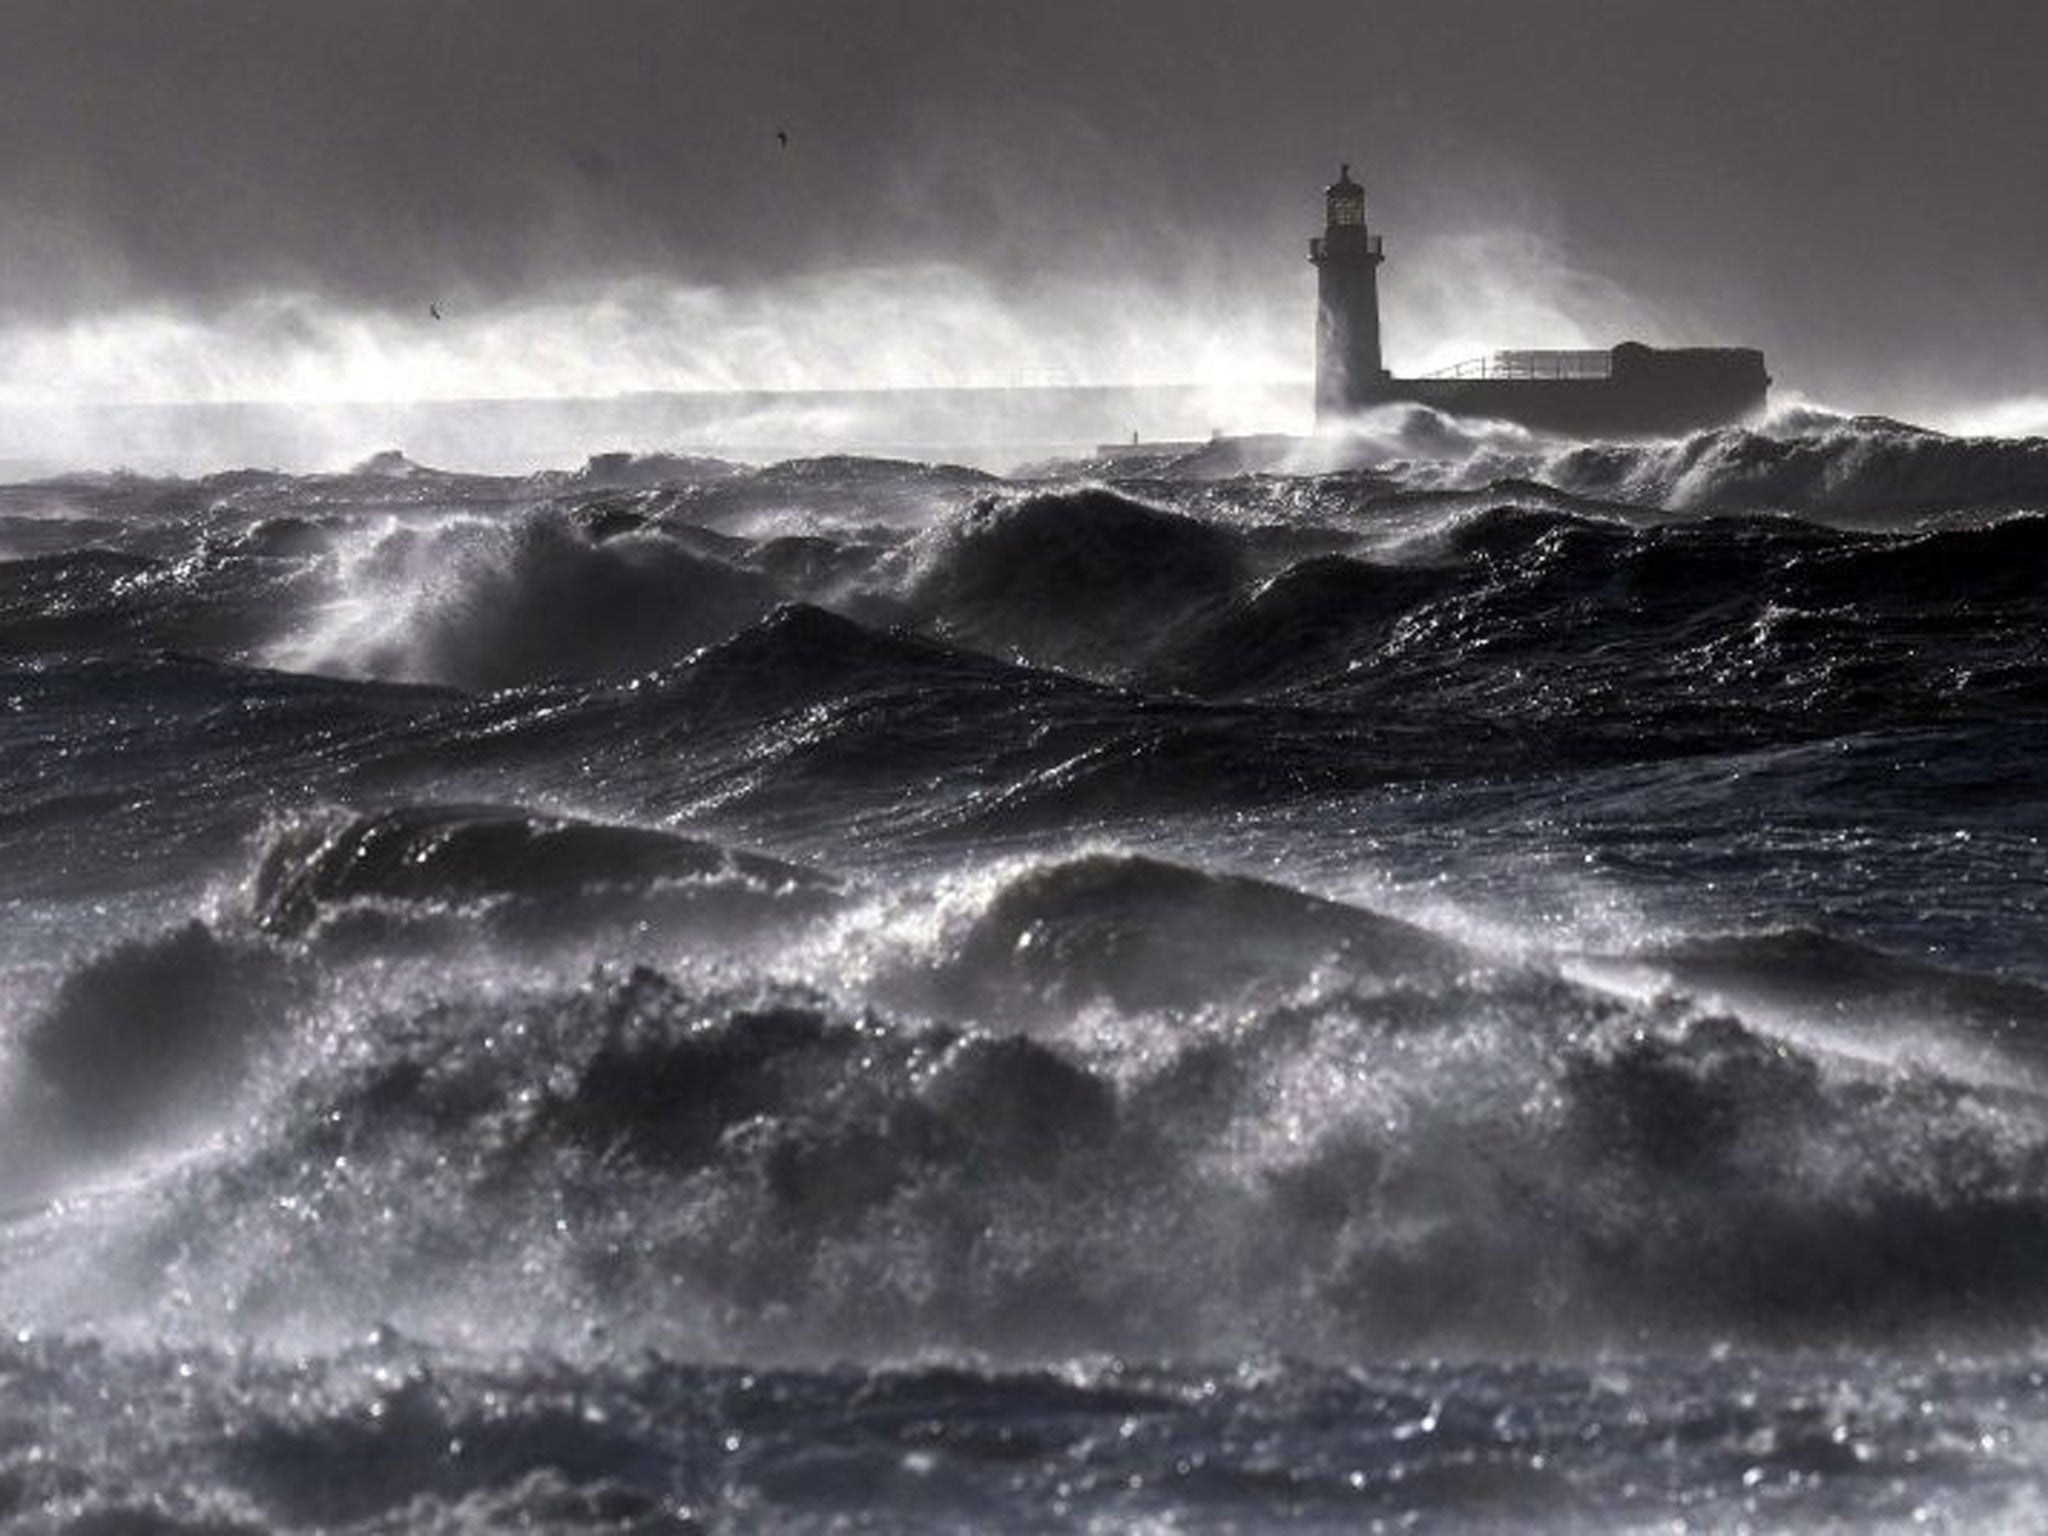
{"x":1345,"y":201}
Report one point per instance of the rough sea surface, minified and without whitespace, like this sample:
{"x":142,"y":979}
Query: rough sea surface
{"x":1501,"y":987}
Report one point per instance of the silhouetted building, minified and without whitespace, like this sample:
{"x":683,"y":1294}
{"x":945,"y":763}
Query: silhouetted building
{"x":1627,"y":390}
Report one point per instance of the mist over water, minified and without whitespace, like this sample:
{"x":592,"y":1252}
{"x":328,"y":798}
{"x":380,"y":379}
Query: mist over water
{"x":885,"y":358}
{"x":1428,"y":974}
{"x":927,"y":359}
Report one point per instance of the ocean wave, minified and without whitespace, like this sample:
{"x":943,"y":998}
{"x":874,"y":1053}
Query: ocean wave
{"x":1802,"y":461}
{"x":392,"y":1431}
{"x":153,"y":1034}
{"x":1081,"y":578}
{"x":1338,"y":1133}
{"x":166,"y":761}
{"x":1434,"y":588}
{"x":1141,"y":933}
{"x":1730,"y":1178}
{"x":1871,"y":997}
{"x":623,"y":470}
{"x":1316,"y":617}
{"x":1856,"y":467}
{"x":836,"y":494}
{"x":802,"y":654}
{"x":438,"y":857}
{"x":488,"y":605}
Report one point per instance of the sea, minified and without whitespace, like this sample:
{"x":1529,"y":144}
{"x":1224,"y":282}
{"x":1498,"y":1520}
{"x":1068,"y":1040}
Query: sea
{"x":1445,"y":981}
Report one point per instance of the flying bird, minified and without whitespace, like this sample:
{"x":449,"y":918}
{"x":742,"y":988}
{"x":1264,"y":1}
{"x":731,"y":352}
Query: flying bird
{"x":782,"y":137}
{"x":434,"y":310}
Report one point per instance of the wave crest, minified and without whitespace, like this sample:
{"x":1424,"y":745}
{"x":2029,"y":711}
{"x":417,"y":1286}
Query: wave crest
{"x":1085,"y":579}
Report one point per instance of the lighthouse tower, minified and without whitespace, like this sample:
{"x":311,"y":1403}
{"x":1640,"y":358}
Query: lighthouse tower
{"x":1347,"y":259}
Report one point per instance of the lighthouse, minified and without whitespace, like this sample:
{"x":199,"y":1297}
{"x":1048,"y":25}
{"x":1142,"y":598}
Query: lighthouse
{"x":1627,"y":390}
{"x":1347,"y":258}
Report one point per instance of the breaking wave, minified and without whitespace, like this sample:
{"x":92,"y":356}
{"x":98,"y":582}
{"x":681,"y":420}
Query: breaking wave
{"x":487,"y":606}
{"x":1120,"y":1104}
{"x":1854,"y":467}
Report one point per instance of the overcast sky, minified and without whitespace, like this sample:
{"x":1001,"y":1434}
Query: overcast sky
{"x":1862,"y":189}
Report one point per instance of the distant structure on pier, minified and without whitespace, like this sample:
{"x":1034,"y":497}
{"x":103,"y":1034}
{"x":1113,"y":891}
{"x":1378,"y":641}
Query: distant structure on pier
{"x":1629,"y":390}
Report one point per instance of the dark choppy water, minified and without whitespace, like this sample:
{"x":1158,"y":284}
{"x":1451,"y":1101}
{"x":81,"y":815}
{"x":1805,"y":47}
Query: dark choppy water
{"x":1504,"y":987}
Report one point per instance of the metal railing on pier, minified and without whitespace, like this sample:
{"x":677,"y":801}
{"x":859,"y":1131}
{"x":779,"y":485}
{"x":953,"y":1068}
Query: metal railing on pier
{"x":1531,"y":365}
